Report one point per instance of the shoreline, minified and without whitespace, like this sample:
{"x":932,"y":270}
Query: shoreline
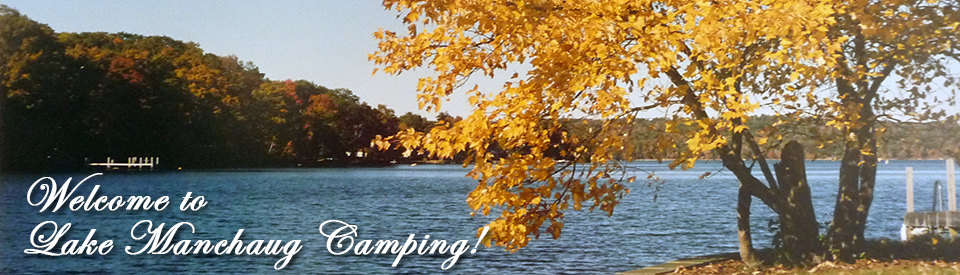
{"x":686,"y":263}
{"x":328,"y":164}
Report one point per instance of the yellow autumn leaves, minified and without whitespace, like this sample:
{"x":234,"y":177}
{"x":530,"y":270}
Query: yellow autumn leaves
{"x":709,"y":64}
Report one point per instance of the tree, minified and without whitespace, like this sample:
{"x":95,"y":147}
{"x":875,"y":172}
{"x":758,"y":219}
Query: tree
{"x":912,"y":40}
{"x":70,"y":98}
{"x":722,"y":61}
{"x":39,"y":85}
{"x":307,"y":123}
{"x":415,"y":121}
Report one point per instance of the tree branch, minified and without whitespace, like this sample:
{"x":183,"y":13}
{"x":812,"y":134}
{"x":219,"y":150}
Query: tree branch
{"x":735,"y":164}
{"x":758,"y":154}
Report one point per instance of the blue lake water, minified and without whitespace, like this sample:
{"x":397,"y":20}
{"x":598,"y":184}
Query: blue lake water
{"x":690,"y":217}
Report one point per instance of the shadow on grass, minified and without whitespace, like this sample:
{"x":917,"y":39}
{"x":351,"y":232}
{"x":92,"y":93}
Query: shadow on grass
{"x":929,"y":247}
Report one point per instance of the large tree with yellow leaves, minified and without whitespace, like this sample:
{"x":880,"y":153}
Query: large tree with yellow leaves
{"x":710,"y":64}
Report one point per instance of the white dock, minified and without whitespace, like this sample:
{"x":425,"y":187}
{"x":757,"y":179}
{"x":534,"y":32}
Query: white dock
{"x":915,"y":223}
{"x":132,"y":162}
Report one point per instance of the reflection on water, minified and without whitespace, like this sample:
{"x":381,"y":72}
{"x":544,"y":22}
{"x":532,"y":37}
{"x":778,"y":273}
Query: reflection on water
{"x":690,"y":217}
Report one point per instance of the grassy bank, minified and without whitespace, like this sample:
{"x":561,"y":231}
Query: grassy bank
{"x":923,"y":255}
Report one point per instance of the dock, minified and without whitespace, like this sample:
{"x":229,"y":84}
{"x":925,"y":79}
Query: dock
{"x":932,"y":220}
{"x":937,"y":221}
{"x":132,"y":162}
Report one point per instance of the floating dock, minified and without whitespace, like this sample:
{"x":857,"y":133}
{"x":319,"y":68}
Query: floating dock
{"x":132,"y":162}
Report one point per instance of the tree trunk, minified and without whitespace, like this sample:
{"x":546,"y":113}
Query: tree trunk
{"x":798,"y":222}
{"x":840,"y":236}
{"x":858,"y":169}
{"x":791,"y":201}
{"x":743,"y":228}
{"x":858,"y":173}
{"x":749,"y":184}
{"x":868,"y":177}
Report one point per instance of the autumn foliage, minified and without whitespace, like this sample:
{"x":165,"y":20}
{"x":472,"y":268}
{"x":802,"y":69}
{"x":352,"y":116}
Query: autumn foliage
{"x":72,"y":98}
{"x":708,"y":67}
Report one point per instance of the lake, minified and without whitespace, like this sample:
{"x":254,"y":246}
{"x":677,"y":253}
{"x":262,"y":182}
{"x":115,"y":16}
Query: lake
{"x":689,"y":217}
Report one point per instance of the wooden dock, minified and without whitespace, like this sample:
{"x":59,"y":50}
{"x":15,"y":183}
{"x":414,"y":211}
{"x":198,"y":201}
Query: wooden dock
{"x":132,"y":162}
{"x":932,"y":220}
{"x":915,"y":223}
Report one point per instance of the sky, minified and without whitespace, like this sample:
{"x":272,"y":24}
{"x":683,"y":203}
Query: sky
{"x":325,"y":42}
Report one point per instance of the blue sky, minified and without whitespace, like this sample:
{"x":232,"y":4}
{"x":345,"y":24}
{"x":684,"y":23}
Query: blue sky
{"x":326,"y":42}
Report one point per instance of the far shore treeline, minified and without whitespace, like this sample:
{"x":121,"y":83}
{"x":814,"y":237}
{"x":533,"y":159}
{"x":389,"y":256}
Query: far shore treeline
{"x":73,"y":98}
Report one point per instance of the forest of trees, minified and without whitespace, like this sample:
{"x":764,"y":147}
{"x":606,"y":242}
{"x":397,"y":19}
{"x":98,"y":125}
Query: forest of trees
{"x":73,"y":98}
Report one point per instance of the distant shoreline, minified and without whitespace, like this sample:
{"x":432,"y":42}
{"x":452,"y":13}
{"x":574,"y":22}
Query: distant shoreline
{"x":337,"y":164}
